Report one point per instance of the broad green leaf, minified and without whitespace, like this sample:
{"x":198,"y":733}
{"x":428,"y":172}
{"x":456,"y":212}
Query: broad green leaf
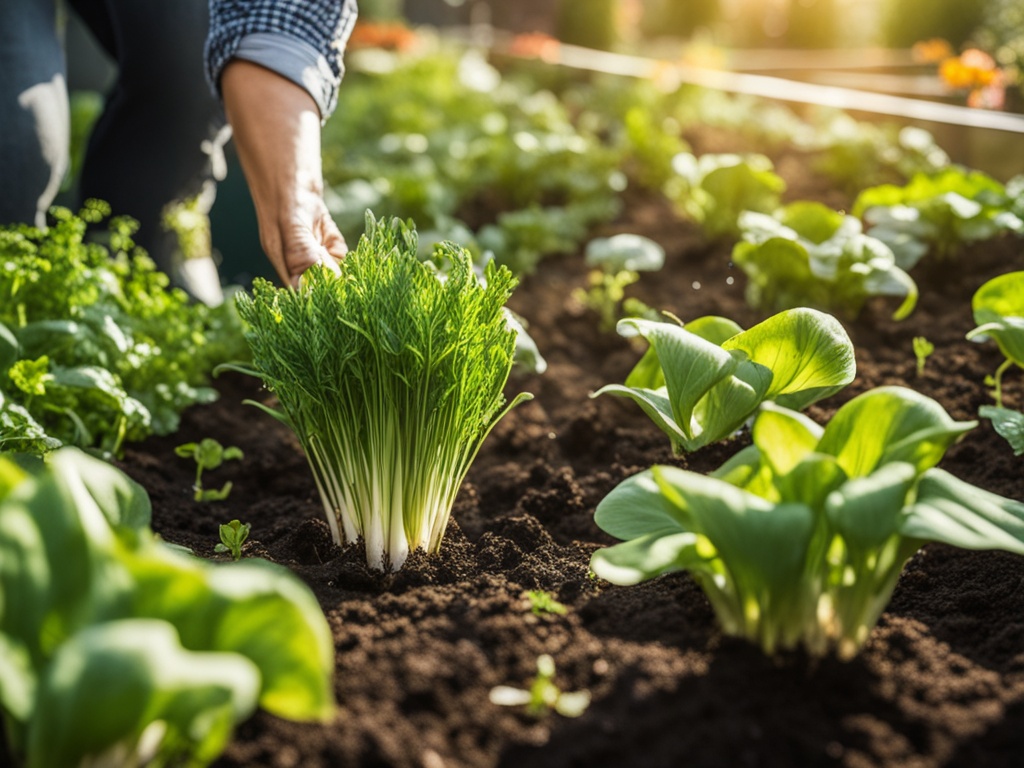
{"x":17,"y":679}
{"x":110,"y":683}
{"x":812,"y":221}
{"x":252,"y":608}
{"x":25,"y":582}
{"x":890,"y":424}
{"x":657,"y":406}
{"x":646,"y":557}
{"x":998,"y":308}
{"x":647,"y":373}
{"x":123,"y":502}
{"x":742,"y":467}
{"x":65,"y":543}
{"x":808,"y":352}
{"x":635,"y":508}
{"x":893,"y":281}
{"x":1008,"y":424}
{"x":954,"y":512}
{"x":713,"y":328}
{"x":882,"y":196}
{"x":691,"y":365}
{"x":778,"y":272}
{"x":704,"y":500}
{"x":762,"y":545}
{"x":784,"y":437}
{"x":867,"y":511}
{"x":810,"y":482}
{"x":728,"y":404}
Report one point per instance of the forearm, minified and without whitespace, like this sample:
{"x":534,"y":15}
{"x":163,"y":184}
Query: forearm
{"x":276,"y":126}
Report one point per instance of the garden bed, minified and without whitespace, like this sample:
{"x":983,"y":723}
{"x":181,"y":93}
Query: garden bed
{"x":940,"y":683}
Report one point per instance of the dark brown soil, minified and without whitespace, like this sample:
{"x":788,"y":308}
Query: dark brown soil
{"x":940,"y":683}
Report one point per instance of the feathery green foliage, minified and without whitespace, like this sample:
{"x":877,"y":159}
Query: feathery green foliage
{"x":391,"y":377}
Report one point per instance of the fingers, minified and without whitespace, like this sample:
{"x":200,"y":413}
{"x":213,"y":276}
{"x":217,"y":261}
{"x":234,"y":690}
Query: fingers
{"x":303,"y":246}
{"x":331,"y":238}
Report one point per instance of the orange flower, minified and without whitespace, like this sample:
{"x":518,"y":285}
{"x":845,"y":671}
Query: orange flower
{"x":535,"y":45}
{"x":391,"y":36}
{"x":971,"y":69}
{"x":931,"y":51}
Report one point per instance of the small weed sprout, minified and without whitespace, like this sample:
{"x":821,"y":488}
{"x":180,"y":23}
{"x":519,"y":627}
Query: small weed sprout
{"x":232,"y":537}
{"x":922,"y":349}
{"x":544,"y":602}
{"x":617,"y":262}
{"x":208,"y":454}
{"x":543,"y":695}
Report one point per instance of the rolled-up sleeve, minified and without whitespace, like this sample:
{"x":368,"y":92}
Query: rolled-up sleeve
{"x":301,"y":40}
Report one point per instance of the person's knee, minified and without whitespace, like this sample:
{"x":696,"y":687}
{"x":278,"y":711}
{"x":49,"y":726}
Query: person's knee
{"x":34,"y":123}
{"x":34,"y":137}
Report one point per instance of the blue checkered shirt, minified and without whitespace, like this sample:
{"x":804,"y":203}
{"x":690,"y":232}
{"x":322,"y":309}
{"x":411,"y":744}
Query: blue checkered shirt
{"x":302,"y":40}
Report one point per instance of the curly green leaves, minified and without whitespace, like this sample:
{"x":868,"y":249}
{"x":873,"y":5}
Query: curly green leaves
{"x":391,"y":375}
{"x":700,"y":385}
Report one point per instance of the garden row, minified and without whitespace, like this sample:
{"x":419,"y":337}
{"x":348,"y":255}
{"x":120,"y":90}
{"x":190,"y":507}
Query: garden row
{"x":795,"y":529}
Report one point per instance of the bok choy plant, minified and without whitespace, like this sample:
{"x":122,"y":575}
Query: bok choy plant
{"x":806,"y":254}
{"x":939,"y":212}
{"x":700,"y":381}
{"x":799,"y":538}
{"x":713,"y":190}
{"x":116,"y":650}
{"x":391,"y":378}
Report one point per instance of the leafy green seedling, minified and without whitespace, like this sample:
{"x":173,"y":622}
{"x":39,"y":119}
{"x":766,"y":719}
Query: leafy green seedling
{"x":542,"y":601}
{"x":714,"y":190}
{"x":700,"y":382}
{"x":543,"y":695}
{"x":998,"y":308}
{"x":617,"y":262}
{"x":807,"y":255}
{"x":209,"y":454}
{"x":922,"y":349}
{"x":1008,"y":424}
{"x":232,"y":537}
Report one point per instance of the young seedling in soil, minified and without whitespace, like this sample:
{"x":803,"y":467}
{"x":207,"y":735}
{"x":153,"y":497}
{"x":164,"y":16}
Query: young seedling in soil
{"x":232,"y":537}
{"x":700,"y":382}
{"x":544,"y":602}
{"x":922,"y":350}
{"x":391,"y":377}
{"x":543,"y":695}
{"x":209,"y":454}
{"x":617,"y":262}
{"x":998,"y":308}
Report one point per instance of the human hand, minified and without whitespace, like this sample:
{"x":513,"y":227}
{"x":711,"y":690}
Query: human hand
{"x":276,"y":128}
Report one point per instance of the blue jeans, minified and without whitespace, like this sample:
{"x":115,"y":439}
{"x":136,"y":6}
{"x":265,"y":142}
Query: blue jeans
{"x":146,"y":148}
